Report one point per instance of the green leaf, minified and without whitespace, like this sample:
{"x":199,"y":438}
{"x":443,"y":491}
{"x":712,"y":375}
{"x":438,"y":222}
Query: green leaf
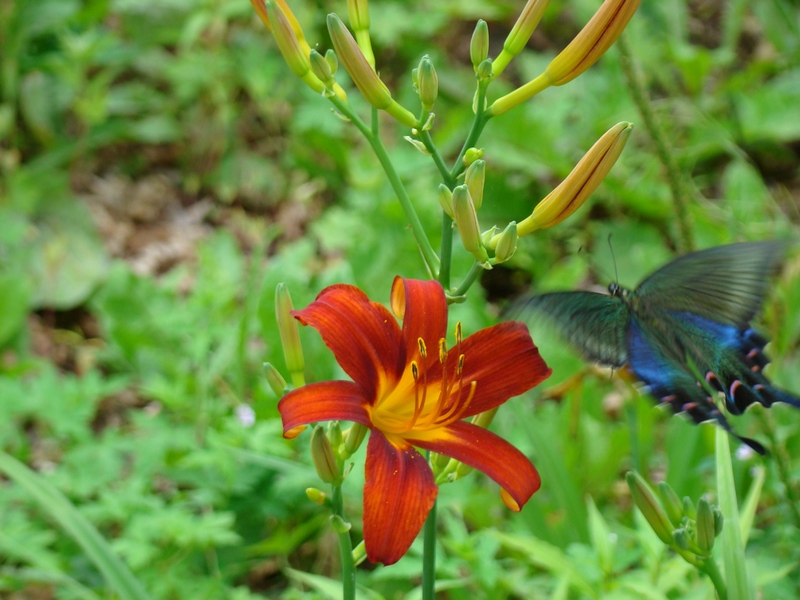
{"x":116,"y":574}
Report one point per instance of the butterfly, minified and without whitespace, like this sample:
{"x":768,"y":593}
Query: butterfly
{"x":684,"y":331}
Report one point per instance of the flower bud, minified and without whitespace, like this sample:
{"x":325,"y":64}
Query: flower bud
{"x":651,"y":509}
{"x":335,"y":434}
{"x":520,"y":33}
{"x":471,"y":155}
{"x":488,"y":235}
{"x":485,"y":71}
{"x":592,"y":41}
{"x":506,"y":244}
{"x":479,"y":44}
{"x":467,"y":222}
{"x":275,"y":380}
{"x":681,"y":539}
{"x":323,"y":457}
{"x":475,"y":177}
{"x":719,"y":521}
{"x":333,"y":61}
{"x":428,"y":83}
{"x":705,"y":526}
{"x":292,"y":44}
{"x":289,"y":333}
{"x":446,"y":199}
{"x":316,"y":496}
{"x":363,"y":75}
{"x":358,"y":14}
{"x":580,"y":183}
{"x":353,"y":438}
{"x":671,"y":502}
{"x":321,"y":68}
{"x":688,"y":508}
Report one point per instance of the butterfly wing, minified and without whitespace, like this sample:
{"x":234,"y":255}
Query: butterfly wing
{"x":731,"y":360}
{"x":593,"y":323}
{"x":669,"y":379}
{"x":725,"y":284}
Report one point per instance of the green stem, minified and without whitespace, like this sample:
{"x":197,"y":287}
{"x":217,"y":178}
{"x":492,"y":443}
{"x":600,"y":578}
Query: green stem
{"x":681,"y":197}
{"x":427,"y":141}
{"x":345,"y":548}
{"x":371,"y":134}
{"x":429,"y":556}
{"x":710,"y":568}
{"x":480,"y":121}
{"x":446,"y":248}
{"x":473,"y":274}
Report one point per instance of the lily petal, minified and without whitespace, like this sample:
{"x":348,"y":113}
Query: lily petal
{"x":487,"y":452}
{"x":399,"y":492}
{"x":323,"y":401}
{"x":503,"y":361}
{"x":423,"y":308}
{"x":363,"y":335}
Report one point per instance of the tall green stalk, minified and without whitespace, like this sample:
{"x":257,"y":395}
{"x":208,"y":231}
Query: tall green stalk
{"x":345,"y":545}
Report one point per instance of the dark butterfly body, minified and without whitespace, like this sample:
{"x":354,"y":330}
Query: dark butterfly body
{"x":689,"y":321}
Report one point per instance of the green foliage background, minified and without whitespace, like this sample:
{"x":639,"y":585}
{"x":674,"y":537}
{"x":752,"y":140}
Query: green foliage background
{"x":127,"y":366}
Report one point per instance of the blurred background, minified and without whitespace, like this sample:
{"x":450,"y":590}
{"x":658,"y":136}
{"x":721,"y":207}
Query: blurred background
{"x":161,"y":170}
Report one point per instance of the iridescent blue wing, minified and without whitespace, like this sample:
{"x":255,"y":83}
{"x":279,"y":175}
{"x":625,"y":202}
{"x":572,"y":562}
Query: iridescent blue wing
{"x":594,"y":323}
{"x":671,"y":381}
{"x":725,"y":284}
{"x":731,"y":360}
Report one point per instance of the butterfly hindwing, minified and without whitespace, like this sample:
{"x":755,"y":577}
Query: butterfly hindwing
{"x":594,"y":323}
{"x":672,"y":382}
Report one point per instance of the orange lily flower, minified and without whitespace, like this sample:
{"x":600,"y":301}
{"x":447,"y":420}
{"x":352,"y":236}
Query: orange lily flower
{"x":410,"y":390}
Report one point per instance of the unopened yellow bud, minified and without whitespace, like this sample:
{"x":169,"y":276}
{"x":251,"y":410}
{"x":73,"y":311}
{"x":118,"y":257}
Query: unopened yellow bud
{"x":358,"y":13}
{"x":651,"y":509}
{"x":294,"y":52}
{"x":289,"y":333}
{"x":275,"y":380}
{"x":467,"y":222}
{"x":446,"y":199}
{"x":580,"y":183}
{"x":520,"y":33}
{"x":323,"y":457}
{"x":479,"y":44}
{"x":506,"y":244}
{"x":475,"y":177}
{"x":428,"y":83}
{"x":471,"y":155}
{"x":592,"y":41}
{"x":288,"y":34}
{"x":316,"y":496}
{"x":363,"y":75}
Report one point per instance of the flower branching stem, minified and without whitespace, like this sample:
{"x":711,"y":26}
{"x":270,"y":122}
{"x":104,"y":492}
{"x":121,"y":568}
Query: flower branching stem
{"x":345,"y":547}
